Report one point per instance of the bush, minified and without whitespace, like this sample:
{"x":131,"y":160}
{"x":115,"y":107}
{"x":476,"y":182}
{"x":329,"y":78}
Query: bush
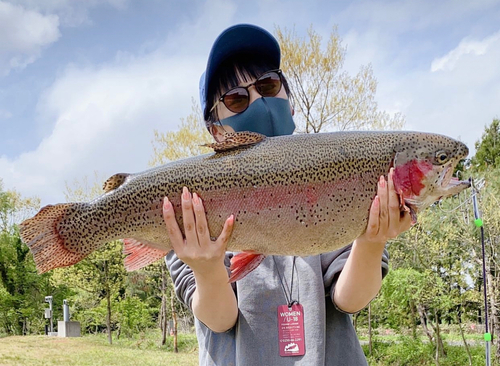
{"x":413,"y":352}
{"x":406,"y":351}
{"x":133,"y":316}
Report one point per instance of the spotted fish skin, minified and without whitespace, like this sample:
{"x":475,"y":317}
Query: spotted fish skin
{"x":291,"y":195}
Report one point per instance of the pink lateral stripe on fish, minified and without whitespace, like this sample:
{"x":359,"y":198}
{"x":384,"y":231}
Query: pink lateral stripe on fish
{"x":291,"y":195}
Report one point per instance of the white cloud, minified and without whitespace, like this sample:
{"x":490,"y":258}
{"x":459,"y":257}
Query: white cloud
{"x":466,"y":47}
{"x":102,"y":118}
{"x":70,"y":12}
{"x":105,"y":122}
{"x":457,"y":96}
{"x":23,"y":34}
{"x":453,"y":91}
{"x":411,"y":15}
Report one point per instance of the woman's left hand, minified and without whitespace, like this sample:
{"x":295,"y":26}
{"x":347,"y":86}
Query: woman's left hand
{"x":386,"y":220}
{"x":361,"y":277}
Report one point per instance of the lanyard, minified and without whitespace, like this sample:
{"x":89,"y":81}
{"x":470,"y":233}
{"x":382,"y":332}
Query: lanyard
{"x":284,"y":285}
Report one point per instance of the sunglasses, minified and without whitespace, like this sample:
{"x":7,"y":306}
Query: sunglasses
{"x":237,"y":99}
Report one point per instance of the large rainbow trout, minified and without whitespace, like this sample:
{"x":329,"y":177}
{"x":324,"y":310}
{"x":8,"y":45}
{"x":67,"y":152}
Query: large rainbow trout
{"x":291,"y":195}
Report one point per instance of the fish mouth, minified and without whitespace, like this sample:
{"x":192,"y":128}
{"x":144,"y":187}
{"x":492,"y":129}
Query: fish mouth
{"x":450,"y":185}
{"x":446,"y":185}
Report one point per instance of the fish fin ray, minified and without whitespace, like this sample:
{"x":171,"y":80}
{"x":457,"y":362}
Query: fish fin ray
{"x":235,"y":140}
{"x":139,"y":254}
{"x":114,"y":181}
{"x":41,"y":235}
{"x":243,"y":263}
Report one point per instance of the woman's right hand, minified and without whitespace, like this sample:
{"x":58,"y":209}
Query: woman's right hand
{"x":214,"y":301}
{"x":197,"y":250}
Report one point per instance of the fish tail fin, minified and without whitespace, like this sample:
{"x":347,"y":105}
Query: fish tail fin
{"x":41,"y":235}
{"x":139,"y":254}
{"x":243,"y":263}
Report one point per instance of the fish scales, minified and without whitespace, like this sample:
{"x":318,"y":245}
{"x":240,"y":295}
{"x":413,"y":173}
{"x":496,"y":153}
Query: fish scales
{"x":232,"y":173}
{"x":291,"y":195}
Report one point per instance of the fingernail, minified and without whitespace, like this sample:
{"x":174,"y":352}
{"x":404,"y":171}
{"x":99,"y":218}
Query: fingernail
{"x":166,"y":204}
{"x":185,"y":193}
{"x":196,"y":199}
{"x":382,"y":182}
{"x":231,"y":220}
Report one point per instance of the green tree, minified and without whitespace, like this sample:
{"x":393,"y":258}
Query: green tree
{"x":22,"y":290}
{"x":14,"y":208}
{"x":488,"y":148}
{"x":98,"y":278}
{"x":410,"y":296}
{"x":485,"y":167}
{"x":489,"y":208}
{"x":434,"y":268}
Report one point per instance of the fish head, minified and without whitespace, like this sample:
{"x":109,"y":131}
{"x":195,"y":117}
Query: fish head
{"x":423,"y":169}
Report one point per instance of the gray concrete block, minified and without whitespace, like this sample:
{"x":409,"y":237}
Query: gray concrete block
{"x":68,"y":329}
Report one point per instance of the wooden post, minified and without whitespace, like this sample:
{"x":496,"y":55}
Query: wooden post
{"x":163,"y":320}
{"x":174,"y":318}
{"x":370,"y":328}
{"x":108,"y":299}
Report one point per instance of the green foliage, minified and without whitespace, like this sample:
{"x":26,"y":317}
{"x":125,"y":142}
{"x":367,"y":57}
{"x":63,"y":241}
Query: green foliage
{"x":22,"y":301}
{"x":488,"y":148}
{"x":407,"y":351}
{"x":414,"y":352}
{"x":133,"y":316}
{"x":14,"y":208}
{"x":22,"y":290}
{"x":96,"y":277}
{"x":396,"y":303}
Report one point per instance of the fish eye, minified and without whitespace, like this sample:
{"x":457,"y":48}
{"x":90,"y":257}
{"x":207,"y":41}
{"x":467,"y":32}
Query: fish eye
{"x":441,"y":157}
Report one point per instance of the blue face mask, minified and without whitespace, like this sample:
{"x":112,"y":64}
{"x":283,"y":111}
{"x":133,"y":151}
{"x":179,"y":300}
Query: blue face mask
{"x":268,"y":116}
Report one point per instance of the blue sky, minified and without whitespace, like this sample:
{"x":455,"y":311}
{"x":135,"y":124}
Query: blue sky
{"x":83,"y":84}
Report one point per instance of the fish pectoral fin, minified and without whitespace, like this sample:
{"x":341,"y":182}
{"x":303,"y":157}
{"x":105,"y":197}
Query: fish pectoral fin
{"x":139,"y":254}
{"x":243,"y":263}
{"x":114,"y":181}
{"x":234,"y":140}
{"x":406,"y":207}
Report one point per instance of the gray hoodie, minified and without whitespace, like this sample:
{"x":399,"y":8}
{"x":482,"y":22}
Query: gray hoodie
{"x":330,"y":338}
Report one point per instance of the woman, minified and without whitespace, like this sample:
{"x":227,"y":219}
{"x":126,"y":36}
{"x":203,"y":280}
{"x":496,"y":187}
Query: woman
{"x":242,"y":323}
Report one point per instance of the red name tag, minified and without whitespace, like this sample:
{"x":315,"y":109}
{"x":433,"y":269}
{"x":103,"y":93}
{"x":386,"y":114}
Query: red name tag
{"x":291,"y":330}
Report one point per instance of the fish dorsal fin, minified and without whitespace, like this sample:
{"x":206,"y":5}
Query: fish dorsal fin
{"x":233,"y":140}
{"x":114,"y":181}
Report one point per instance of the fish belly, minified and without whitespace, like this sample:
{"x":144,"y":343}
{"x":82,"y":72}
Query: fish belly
{"x":293,"y":220}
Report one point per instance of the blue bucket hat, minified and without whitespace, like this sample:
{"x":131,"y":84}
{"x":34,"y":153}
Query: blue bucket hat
{"x":240,"y":38}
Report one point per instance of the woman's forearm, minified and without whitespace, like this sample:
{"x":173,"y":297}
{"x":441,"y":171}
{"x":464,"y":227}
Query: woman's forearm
{"x":214,"y":301}
{"x":361,"y":278}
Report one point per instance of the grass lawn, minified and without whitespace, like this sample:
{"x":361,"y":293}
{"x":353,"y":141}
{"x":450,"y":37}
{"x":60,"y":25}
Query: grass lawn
{"x":94,"y":350}
{"x":449,"y":335}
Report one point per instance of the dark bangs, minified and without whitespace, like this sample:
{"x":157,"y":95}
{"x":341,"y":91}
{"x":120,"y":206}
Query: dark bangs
{"x":226,"y":77}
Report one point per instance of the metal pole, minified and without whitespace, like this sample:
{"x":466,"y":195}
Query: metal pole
{"x":479,"y":223}
{"x":65,"y":311}
{"x":48,"y":299}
